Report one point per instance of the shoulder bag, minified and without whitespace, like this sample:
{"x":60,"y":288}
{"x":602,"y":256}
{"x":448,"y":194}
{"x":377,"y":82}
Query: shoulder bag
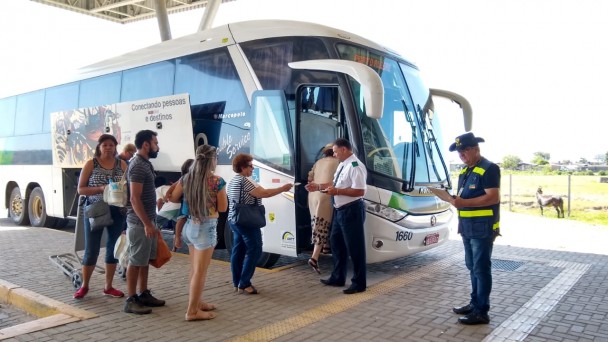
{"x":248,"y":215}
{"x":99,"y":215}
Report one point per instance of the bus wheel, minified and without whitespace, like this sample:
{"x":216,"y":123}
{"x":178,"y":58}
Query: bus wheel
{"x":37,"y":209}
{"x":17,"y":208}
{"x":267,"y":260}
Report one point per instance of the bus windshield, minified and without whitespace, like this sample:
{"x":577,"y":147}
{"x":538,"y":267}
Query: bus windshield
{"x":402,"y":144}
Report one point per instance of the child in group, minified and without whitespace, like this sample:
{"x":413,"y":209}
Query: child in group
{"x":162,"y":186}
{"x":183,"y":211}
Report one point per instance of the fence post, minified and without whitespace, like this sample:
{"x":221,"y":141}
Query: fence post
{"x":510,"y":191}
{"x":569,"y":193}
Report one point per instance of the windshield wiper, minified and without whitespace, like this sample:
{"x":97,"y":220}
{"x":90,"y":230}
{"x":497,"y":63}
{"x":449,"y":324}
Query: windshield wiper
{"x":408,"y":116}
{"x":427,"y":141}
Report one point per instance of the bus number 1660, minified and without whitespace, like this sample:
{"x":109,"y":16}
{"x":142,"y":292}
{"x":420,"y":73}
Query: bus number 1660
{"x":403,"y":236}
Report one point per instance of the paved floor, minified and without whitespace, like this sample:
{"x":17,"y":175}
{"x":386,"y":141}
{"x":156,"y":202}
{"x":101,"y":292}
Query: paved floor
{"x":550,"y":284}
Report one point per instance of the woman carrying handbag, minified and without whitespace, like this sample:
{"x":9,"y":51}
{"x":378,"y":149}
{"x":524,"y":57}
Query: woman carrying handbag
{"x":247,"y":244}
{"x":94,"y":177}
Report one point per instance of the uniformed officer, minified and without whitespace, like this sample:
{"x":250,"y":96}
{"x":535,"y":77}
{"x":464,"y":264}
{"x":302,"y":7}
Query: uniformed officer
{"x":478,"y":204}
{"x":347,"y":235}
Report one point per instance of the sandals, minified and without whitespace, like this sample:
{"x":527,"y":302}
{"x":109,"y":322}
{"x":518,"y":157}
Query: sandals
{"x":251,"y":292}
{"x":326,"y":249}
{"x":314,"y":264}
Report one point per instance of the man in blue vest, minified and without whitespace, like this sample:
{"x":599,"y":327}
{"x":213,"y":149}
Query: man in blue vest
{"x":478,"y":204}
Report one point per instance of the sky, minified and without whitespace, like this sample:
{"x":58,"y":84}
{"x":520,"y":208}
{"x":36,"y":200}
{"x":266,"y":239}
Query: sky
{"x":533,"y":71}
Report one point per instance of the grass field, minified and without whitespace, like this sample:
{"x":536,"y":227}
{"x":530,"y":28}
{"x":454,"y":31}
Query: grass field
{"x":586,"y":202}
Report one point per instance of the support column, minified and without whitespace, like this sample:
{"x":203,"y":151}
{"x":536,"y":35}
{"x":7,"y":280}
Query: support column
{"x":163,"y":19}
{"x":209,"y":15}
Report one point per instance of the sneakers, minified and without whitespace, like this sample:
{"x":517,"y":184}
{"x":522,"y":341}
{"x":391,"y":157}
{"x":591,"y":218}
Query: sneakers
{"x":81,"y":292}
{"x":133,"y":305}
{"x":112,"y":292}
{"x":146,"y":299}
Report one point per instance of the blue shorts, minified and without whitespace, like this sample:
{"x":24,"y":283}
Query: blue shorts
{"x":200,"y":235}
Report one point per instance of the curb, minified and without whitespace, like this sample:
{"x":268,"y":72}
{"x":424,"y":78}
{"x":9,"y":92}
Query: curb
{"x":51,"y":312}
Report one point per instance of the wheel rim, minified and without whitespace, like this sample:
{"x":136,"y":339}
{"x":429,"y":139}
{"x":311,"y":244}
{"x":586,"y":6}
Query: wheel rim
{"x":17,"y":205}
{"x":37,"y":208}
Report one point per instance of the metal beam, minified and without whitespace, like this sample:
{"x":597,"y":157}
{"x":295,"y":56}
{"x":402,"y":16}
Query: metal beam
{"x":114,"y":5}
{"x":209,"y":15}
{"x":163,"y":20}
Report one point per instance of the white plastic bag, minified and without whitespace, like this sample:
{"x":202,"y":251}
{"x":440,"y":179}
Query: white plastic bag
{"x":121,"y":251}
{"x":115,"y":193}
{"x":170,"y":211}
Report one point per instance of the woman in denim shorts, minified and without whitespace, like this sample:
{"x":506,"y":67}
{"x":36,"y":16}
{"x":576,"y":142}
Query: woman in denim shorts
{"x":205,"y":196}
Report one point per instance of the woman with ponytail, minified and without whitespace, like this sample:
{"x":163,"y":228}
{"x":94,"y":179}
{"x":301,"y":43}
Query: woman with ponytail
{"x":205,"y":197}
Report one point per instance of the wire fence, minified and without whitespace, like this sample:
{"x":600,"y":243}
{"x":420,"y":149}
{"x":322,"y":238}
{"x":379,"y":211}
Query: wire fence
{"x":584,"y":194}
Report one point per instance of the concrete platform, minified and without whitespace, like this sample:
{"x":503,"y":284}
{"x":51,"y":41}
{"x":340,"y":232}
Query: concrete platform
{"x":550,"y":284}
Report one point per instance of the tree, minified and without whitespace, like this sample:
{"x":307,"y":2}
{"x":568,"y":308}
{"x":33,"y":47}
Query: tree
{"x":541,"y":158}
{"x":606,"y":158}
{"x":510,"y":162}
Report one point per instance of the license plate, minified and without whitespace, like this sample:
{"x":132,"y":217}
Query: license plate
{"x":431,"y":239}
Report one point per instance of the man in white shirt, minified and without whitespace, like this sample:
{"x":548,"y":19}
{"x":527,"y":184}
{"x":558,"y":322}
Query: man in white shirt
{"x":347,"y":235}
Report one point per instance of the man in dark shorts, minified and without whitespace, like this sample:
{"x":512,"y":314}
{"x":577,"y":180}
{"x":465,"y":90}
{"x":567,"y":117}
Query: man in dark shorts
{"x":141,"y":229}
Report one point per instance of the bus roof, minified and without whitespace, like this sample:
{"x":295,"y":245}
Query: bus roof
{"x":224,"y":35}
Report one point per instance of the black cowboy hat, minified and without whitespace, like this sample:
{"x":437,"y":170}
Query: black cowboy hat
{"x":464,"y":141}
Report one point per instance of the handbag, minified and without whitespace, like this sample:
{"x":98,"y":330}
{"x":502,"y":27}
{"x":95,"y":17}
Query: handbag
{"x":115,"y":193}
{"x":99,"y":215}
{"x":248,"y":215}
{"x":163,"y":253}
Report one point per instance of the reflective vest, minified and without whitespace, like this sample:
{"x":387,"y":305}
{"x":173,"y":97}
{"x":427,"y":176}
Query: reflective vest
{"x":476,"y":222}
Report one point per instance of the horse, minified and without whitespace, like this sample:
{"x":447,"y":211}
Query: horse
{"x":549,"y":200}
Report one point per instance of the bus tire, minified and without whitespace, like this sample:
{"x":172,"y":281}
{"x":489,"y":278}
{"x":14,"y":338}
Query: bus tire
{"x":37,"y":209}
{"x":267,"y":260}
{"x":17,"y":208}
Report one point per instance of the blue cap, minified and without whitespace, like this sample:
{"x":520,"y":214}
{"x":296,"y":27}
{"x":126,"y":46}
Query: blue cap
{"x":464,"y":141}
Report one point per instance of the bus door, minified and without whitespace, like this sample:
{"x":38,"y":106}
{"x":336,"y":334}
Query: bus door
{"x":318,"y":113}
{"x":273,"y":151}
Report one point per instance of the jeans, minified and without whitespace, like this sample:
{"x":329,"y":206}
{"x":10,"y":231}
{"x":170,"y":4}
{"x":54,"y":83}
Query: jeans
{"x":92,"y":240}
{"x":246,"y":251}
{"x":477,"y":257}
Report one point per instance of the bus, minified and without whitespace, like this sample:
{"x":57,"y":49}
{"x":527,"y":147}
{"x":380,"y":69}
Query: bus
{"x":278,"y":90}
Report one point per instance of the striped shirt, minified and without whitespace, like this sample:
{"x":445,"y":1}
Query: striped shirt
{"x":100,"y":176}
{"x":141,"y":171}
{"x":234,"y":192}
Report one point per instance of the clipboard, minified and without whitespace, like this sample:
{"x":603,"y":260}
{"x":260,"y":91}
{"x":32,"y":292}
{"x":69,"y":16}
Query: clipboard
{"x":443,"y":194}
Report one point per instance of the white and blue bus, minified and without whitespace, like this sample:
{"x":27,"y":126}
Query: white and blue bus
{"x":279,"y":90}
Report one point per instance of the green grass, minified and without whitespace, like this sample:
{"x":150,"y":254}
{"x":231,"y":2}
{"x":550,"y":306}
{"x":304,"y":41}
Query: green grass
{"x":588,"y":199}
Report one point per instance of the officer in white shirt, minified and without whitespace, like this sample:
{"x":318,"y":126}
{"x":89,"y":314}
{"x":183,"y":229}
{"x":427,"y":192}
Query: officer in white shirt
{"x":347,"y":234}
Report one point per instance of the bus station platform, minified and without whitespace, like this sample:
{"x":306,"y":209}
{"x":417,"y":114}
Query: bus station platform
{"x":550,"y":284}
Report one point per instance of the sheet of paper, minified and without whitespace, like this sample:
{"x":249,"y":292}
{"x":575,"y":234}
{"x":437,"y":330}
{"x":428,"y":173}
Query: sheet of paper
{"x":441,"y":193}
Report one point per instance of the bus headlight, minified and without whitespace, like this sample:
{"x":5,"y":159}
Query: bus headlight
{"x":383,"y":211}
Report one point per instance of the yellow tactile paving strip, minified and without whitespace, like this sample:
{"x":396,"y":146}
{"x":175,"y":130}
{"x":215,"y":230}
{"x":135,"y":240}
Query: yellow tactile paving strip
{"x":291,"y":324}
{"x":52,"y":313}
